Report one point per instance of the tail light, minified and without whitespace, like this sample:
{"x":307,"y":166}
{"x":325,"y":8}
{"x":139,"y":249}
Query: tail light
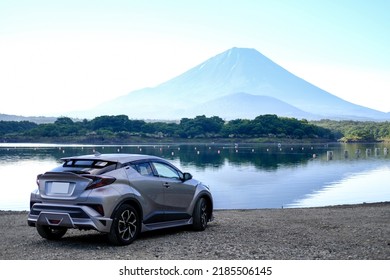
{"x":38,"y":176}
{"x":99,"y":181}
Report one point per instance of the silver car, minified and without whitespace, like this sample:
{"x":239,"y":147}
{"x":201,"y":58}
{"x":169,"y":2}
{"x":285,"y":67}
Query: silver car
{"x":118,"y":194}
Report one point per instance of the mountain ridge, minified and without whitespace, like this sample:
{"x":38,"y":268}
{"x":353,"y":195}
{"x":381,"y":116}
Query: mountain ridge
{"x":35,"y":119}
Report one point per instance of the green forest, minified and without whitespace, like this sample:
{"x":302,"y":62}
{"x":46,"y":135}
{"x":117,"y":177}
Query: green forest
{"x":357,"y":131}
{"x":120,"y":128}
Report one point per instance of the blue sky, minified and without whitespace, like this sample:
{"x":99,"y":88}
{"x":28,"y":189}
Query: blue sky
{"x":56,"y":56}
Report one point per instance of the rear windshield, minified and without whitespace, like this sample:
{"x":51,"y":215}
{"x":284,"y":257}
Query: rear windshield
{"x":82,"y":166}
{"x":87,"y":163}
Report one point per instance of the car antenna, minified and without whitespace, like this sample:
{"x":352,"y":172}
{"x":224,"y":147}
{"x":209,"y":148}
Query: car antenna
{"x":97,"y":154}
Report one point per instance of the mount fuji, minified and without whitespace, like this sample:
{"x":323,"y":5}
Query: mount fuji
{"x":238,"y":83}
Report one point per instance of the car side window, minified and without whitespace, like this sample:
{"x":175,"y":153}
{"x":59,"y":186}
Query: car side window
{"x":165,"y":170}
{"x":143,"y":168}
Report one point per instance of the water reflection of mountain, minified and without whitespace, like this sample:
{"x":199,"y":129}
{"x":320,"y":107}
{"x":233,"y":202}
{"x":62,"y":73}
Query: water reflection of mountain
{"x":252,"y":188}
{"x":338,"y":175}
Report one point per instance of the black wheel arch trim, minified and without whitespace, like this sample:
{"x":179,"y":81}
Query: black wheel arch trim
{"x":209,"y":200}
{"x":130,"y":201}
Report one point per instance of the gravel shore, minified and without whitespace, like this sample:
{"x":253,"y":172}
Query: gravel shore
{"x":340,"y":233}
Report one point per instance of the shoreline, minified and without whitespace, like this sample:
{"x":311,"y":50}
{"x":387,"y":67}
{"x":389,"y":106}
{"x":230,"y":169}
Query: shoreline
{"x":341,"y":232}
{"x":363,"y":204}
{"x":135,"y":140}
{"x":258,"y":209}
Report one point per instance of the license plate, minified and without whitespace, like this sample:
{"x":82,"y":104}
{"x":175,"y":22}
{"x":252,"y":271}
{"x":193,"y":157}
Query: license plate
{"x":59,"y":188}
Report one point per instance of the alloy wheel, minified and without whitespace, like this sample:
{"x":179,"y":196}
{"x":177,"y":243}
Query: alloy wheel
{"x":127,"y":225}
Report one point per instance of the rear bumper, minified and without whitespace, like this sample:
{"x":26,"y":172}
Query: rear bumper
{"x":68,"y":216}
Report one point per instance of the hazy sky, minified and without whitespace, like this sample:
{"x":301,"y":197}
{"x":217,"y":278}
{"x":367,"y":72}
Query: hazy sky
{"x":56,"y":56}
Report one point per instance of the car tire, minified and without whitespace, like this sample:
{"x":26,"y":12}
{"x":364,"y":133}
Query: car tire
{"x":200,"y":216}
{"x":125,"y":227}
{"x":51,"y":233}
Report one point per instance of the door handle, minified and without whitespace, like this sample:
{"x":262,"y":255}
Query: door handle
{"x":166,"y":184}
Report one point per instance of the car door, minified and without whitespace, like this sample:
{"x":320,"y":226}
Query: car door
{"x":151,"y":191}
{"x":177,"y":194}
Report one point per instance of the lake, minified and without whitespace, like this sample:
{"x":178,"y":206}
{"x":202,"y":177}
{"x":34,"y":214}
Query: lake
{"x":241,"y":176}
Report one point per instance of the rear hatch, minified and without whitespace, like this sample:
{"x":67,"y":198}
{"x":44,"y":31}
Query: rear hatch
{"x":63,"y":186}
{"x":74,"y":179}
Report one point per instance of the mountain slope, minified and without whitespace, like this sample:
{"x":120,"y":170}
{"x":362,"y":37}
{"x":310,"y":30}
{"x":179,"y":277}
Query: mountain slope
{"x":248,"y":106}
{"x":233,"y":71}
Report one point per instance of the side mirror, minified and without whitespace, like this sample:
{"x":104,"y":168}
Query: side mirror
{"x":186,"y":176}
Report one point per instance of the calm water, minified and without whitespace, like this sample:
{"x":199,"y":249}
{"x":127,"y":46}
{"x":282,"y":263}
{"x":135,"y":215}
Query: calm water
{"x":240,"y":176}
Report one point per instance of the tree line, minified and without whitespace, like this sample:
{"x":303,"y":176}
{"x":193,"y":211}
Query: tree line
{"x":357,"y":131}
{"x":121,"y":127}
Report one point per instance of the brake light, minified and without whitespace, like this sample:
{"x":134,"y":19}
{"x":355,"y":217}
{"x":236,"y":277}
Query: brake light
{"x":98,"y":182}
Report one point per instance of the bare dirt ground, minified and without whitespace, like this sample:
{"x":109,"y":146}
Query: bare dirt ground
{"x":340,"y":232}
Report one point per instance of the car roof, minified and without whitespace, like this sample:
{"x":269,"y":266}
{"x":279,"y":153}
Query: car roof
{"x":121,"y":158}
